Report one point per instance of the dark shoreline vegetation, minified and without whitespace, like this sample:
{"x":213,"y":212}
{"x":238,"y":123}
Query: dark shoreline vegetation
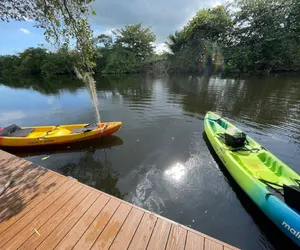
{"x":248,"y":36}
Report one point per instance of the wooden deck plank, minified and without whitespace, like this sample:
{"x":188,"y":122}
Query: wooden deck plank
{"x":160,"y":235}
{"x":11,"y":165}
{"x":18,"y":169}
{"x":12,"y":202}
{"x":23,"y":181}
{"x":143,"y":233}
{"x":46,"y":210}
{"x":20,"y":224}
{"x":209,"y":237}
{"x":211,"y":245}
{"x":194,"y":241}
{"x":46,"y":188}
{"x":35,"y":240}
{"x":95,"y":229}
{"x":177,"y":238}
{"x":127,"y":231}
{"x":107,"y":236}
{"x":60,"y":232}
{"x":83,"y":224}
{"x":47,"y":214}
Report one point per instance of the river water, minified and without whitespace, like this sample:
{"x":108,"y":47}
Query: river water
{"x":160,"y":159}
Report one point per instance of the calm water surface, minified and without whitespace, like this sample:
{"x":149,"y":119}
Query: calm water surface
{"x":160,"y":159}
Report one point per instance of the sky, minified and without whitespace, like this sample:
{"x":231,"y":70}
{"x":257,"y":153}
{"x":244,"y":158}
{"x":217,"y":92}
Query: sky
{"x":164,"y":16}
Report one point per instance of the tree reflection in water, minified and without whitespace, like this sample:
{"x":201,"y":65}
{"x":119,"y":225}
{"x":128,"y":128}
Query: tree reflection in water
{"x":94,"y":173}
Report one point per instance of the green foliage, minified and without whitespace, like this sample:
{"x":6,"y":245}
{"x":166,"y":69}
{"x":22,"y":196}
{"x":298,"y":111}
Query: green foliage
{"x":266,"y":35}
{"x":135,"y":39}
{"x":199,"y":45}
{"x":57,"y":64}
{"x":9,"y":65}
{"x":38,"y":61}
{"x":103,"y":45}
{"x":209,"y":24}
{"x":62,"y":20}
{"x":121,"y":61}
{"x":31,"y":61}
{"x":131,"y":52}
{"x":259,"y":36}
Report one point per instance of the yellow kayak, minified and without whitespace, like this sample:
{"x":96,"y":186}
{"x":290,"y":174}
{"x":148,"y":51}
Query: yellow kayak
{"x":14,"y":136}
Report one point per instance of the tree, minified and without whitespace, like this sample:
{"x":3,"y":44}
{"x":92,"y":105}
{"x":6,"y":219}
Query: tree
{"x":135,"y":39}
{"x":60,"y":63}
{"x":266,"y":36}
{"x":32,"y":60}
{"x":199,"y":45}
{"x":121,"y":61}
{"x":209,"y":24}
{"x":62,"y":20}
{"x":259,"y":36}
{"x":103,"y":44}
{"x":103,"y":41}
{"x":9,"y":65}
{"x":175,"y":42}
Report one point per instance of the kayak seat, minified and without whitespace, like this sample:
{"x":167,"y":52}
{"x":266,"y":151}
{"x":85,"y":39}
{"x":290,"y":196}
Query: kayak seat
{"x":89,"y":127}
{"x":15,"y":131}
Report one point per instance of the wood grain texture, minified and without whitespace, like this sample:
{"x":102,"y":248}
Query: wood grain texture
{"x":211,"y":245}
{"x":143,"y":232}
{"x":44,"y":231}
{"x":40,"y":220}
{"x":127,"y":231}
{"x":23,"y":179}
{"x":66,"y":225}
{"x":194,"y":241}
{"x":112,"y":228}
{"x":177,"y":238}
{"x":32,"y":214}
{"x":13,"y":202}
{"x":46,"y":188}
{"x":96,"y":228}
{"x":160,"y":235}
{"x":83,"y":224}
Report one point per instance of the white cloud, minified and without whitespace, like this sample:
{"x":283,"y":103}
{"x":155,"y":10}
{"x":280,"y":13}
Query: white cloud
{"x":108,"y":32}
{"x":216,"y":3}
{"x":26,"y":31}
{"x":163,"y":16}
{"x":161,"y":47}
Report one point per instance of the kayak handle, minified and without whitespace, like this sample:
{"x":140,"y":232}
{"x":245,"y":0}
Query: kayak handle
{"x":47,"y":133}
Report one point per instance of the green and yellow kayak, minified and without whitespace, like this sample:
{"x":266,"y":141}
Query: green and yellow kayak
{"x":271,"y":184}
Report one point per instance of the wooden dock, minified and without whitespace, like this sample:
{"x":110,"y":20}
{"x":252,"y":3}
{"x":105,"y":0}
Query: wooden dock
{"x":42,"y":209}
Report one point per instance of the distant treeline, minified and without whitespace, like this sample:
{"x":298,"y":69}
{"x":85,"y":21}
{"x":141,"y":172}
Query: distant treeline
{"x":261,"y":36}
{"x":247,"y":36}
